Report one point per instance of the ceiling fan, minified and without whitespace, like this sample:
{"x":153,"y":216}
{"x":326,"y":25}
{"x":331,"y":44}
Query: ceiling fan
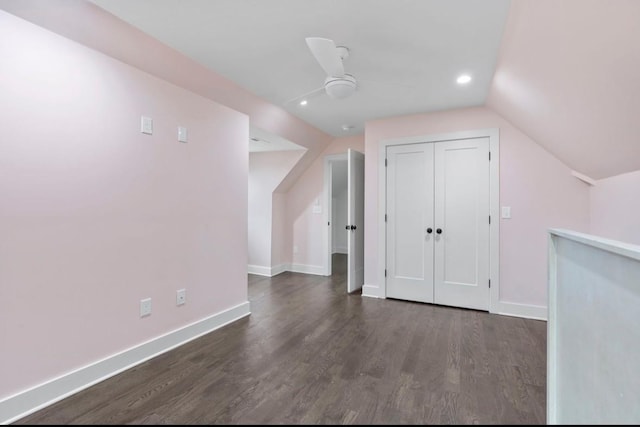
{"x":338,"y":84}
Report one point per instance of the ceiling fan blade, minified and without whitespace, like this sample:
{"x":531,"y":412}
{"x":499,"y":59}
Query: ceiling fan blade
{"x":325,"y":52}
{"x":309,"y":95}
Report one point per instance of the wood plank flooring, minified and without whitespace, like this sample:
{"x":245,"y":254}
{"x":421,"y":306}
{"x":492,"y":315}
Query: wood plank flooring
{"x":312,"y":354}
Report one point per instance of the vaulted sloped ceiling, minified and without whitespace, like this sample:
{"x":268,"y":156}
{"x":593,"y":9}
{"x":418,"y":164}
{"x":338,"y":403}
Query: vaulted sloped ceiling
{"x":568,"y":75}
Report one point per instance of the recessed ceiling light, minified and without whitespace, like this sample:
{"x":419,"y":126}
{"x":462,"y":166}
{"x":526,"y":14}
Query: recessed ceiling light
{"x":463,"y":79}
{"x":347,"y":127}
{"x":303,"y":102}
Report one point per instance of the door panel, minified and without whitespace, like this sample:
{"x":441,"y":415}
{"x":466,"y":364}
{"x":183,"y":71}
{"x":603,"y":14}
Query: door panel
{"x":410,"y":213}
{"x":461,"y":268}
{"x":355,"y":213}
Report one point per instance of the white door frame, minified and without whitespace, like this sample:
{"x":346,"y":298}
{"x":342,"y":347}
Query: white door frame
{"x":494,"y":203}
{"x":326,"y":216}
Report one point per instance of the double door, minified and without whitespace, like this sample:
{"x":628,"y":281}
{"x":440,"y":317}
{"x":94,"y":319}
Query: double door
{"x":438,"y":222}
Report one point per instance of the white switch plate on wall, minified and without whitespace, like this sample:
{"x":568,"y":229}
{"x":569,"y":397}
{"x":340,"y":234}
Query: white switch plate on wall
{"x":506,"y":212}
{"x":146,"y":125}
{"x":145,"y":307}
{"x":182,"y":134}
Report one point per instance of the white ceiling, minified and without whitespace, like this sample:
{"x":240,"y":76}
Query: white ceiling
{"x":261,"y":140}
{"x":405,"y":54}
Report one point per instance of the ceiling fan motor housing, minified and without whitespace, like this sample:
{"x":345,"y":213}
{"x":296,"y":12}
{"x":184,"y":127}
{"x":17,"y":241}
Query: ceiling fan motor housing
{"x":340,"y":87}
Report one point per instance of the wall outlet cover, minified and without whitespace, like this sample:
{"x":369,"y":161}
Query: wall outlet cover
{"x":181,"y":296}
{"x":145,"y":307}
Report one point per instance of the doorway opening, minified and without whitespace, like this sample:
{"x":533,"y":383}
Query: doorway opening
{"x":337,"y":220}
{"x":344,"y":216}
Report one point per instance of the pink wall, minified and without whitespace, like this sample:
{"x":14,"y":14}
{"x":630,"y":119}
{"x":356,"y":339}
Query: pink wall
{"x":87,"y":23}
{"x":266,"y":171}
{"x":567,"y":76}
{"x":538,"y":187}
{"x":308,"y":226}
{"x":615,"y":208}
{"x":279,"y":233}
{"x":96,"y":216}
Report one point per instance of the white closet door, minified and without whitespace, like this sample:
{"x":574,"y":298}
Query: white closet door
{"x":461,"y":269}
{"x":410,"y":214}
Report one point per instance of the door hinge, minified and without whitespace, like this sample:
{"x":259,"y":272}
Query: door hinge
{"x":489,"y":219}
{"x":385,"y":163}
{"x":385,"y":272}
{"x":329,"y":223}
{"x":489,"y":283}
{"x":385,"y":217}
{"x":489,"y":155}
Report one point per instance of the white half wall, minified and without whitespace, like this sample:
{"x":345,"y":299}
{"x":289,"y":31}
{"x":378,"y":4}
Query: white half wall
{"x":593,"y":339}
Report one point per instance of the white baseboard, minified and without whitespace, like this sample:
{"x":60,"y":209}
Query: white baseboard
{"x":537,"y":312}
{"x":261,"y":270}
{"x":372,"y":291}
{"x":526,"y":311}
{"x":307,"y":269}
{"x":35,"y":398}
{"x":280,"y":268}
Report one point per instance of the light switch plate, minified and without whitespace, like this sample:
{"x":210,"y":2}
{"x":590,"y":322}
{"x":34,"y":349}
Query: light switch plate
{"x":506,"y":212}
{"x":182,"y":134}
{"x":145,"y":307}
{"x":146,"y":125}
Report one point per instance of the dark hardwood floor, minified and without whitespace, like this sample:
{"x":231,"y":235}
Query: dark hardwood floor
{"x":312,"y":354}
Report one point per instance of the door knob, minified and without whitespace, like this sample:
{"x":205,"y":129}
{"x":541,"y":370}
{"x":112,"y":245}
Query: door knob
{"x":348,"y":227}
{"x":353,"y":227}
{"x":429,"y":230}
{"x":439,"y":230}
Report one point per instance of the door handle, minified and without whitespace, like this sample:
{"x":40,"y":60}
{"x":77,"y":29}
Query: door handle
{"x":351,"y":227}
{"x":348,"y":227}
{"x":439,"y":230}
{"x":429,"y":230}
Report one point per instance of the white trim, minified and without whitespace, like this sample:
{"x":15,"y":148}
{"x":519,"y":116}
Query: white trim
{"x":308,"y":269}
{"x":494,"y":204}
{"x":620,"y":248}
{"x":494,"y":209}
{"x":382,"y":225}
{"x":372,"y":292}
{"x":35,"y":398}
{"x":527,"y":311}
{"x":277,"y":269}
{"x":326,"y":216}
{"x":552,"y":345}
{"x":584,"y":178}
{"x":341,"y":250}
{"x":261,"y":270}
